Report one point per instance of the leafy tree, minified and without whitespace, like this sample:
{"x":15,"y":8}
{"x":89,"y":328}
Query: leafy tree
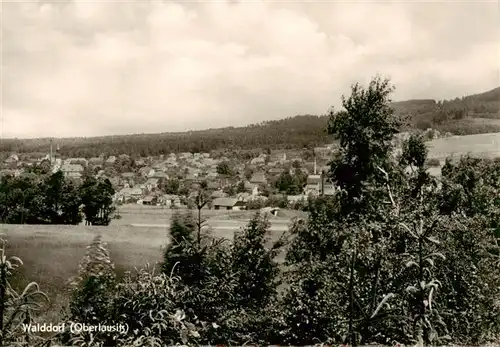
{"x":230,"y":190}
{"x":277,"y":200}
{"x":54,"y":186}
{"x":291,"y":184}
{"x":62,"y":200}
{"x":183,"y":190}
{"x":204,"y":185}
{"x":123,"y":164}
{"x":240,"y":188}
{"x":365,"y":127}
{"x":97,"y":198}
{"x":414,"y":152}
{"x":22,"y":200}
{"x":248,"y":173}
{"x":470,"y":276}
{"x":471,"y":187}
{"x":171,"y":186}
{"x":89,"y":171}
{"x":266,"y":190}
{"x":355,"y":249}
{"x":42,"y":168}
{"x":255,"y":264}
{"x":92,"y":288}
{"x":285,"y":182}
{"x":181,"y":257}
{"x":223,"y":168}
{"x":70,"y":205}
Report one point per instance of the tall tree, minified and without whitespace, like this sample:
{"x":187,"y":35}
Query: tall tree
{"x":97,"y":198}
{"x":365,"y":127}
{"x":54,"y":186}
{"x":62,"y":200}
{"x":254,"y":263}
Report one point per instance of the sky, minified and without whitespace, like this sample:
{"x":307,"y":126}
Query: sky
{"x":91,"y":68}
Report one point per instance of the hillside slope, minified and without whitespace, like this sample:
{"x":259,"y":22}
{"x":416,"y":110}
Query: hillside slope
{"x":293,"y":132}
{"x":474,"y":114}
{"x":460,"y":116}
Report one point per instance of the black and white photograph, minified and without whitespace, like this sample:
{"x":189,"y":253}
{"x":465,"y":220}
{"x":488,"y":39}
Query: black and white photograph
{"x":249,"y":173}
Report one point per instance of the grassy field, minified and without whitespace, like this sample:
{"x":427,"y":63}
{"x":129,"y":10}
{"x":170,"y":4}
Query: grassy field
{"x":51,"y":253}
{"x":140,"y":214}
{"x":489,"y":121}
{"x":485,"y":145}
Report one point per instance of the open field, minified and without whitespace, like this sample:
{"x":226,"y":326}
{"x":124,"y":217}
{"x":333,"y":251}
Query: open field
{"x":51,"y":253}
{"x":485,"y":145}
{"x":132,"y":214}
{"x":489,"y":121}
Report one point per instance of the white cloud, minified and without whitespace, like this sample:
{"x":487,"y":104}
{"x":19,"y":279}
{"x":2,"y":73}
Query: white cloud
{"x":91,"y":68}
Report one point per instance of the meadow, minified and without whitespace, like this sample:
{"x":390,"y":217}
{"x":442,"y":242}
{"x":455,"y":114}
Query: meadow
{"x":51,"y":253}
{"x":483,"y":145}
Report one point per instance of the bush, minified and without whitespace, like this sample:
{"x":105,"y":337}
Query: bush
{"x":148,"y":304}
{"x":433,"y":162}
{"x":277,"y":201}
{"x":92,"y":290}
{"x":17,"y":308}
{"x":256,"y":204}
{"x":254,"y":265}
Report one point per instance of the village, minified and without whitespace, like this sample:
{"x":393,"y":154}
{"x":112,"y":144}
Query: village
{"x":170,"y":181}
{"x":273,"y":178}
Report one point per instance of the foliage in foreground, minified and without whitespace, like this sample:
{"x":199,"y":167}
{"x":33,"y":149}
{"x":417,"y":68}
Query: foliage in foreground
{"x":17,"y":308}
{"x":395,"y":257}
{"x":409,"y":274}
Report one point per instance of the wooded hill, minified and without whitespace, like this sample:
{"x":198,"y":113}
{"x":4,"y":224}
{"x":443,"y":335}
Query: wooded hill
{"x":479,"y":113}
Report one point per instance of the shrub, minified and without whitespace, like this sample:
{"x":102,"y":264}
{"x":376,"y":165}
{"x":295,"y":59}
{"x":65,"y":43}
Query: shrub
{"x":256,"y":204}
{"x":183,"y":255}
{"x":277,"y":201}
{"x":433,"y":162}
{"x":17,"y":308}
{"x":92,"y":290}
{"x":147,"y":303}
{"x":254,"y":265}
{"x":470,"y":278}
{"x":312,"y":308}
{"x":202,"y":264}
